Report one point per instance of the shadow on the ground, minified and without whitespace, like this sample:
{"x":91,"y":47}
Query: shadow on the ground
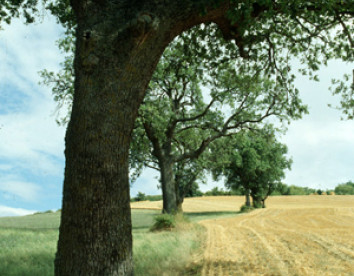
{"x":197,"y":216}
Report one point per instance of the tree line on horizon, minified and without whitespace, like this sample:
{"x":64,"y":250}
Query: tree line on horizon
{"x":346,"y":188}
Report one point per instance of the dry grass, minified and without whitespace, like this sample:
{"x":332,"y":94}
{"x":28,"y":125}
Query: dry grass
{"x":233,"y":203}
{"x":304,"y":235}
{"x":199,"y":204}
{"x":294,"y":235}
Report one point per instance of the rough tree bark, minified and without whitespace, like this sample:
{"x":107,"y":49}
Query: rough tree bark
{"x":248,"y":200}
{"x":168,"y":187}
{"x":118,"y":46}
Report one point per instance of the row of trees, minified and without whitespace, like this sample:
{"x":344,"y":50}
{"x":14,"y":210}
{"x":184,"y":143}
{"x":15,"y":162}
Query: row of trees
{"x":201,"y":113}
{"x":280,"y":189}
{"x":117,"y":47}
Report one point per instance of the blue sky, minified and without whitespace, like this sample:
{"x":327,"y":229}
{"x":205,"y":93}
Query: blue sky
{"x":32,"y":145}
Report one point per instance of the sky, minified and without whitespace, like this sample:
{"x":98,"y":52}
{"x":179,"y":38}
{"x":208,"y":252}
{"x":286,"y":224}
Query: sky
{"x":32,"y":145}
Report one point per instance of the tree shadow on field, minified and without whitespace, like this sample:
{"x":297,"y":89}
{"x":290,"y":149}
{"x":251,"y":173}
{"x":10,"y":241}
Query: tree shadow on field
{"x":197,"y":216}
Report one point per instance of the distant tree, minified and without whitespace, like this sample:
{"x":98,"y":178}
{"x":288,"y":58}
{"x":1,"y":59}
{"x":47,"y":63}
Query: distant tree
{"x":176,"y":125}
{"x":140,"y":196}
{"x":217,"y":192}
{"x":345,"y":188}
{"x":281,"y":189}
{"x":296,"y":190}
{"x":257,"y":164}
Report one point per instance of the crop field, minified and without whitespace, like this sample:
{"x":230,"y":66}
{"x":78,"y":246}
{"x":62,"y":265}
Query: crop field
{"x":295,"y":235}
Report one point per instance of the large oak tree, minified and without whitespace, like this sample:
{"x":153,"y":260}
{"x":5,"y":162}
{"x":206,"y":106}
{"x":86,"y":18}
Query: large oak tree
{"x":118,"y":44}
{"x":177,"y":125}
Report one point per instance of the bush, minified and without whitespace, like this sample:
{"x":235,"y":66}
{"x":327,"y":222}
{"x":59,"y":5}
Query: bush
{"x":245,"y":209}
{"x":164,"y":222}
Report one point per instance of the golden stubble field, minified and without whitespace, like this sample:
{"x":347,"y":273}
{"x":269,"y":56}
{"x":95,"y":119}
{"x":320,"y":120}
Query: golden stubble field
{"x":294,"y":235}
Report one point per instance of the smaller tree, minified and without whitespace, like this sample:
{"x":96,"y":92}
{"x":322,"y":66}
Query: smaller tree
{"x":256,"y":164}
{"x":140,"y":196}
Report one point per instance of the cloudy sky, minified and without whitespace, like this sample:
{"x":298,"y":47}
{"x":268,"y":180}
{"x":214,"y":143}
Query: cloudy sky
{"x":32,"y":145}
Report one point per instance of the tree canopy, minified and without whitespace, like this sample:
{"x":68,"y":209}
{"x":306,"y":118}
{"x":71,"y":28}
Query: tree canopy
{"x":256,"y":163}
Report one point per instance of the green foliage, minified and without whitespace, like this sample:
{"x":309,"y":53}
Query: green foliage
{"x":281,"y":189}
{"x":217,"y":192}
{"x":246,"y":209}
{"x":295,"y":190}
{"x":256,"y":162}
{"x":164,"y":222}
{"x":189,"y":126}
{"x":148,"y":198}
{"x":154,"y":197}
{"x":15,"y":8}
{"x":345,"y":188}
{"x":140,"y":197}
{"x":193,"y":191}
{"x":257,"y":204}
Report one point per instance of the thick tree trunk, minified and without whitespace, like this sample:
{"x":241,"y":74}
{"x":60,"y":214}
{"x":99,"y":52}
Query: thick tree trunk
{"x":118,"y":46}
{"x":180,"y":198}
{"x":248,"y":200}
{"x":169,"y":194}
{"x":112,"y":71}
{"x":257,"y":201}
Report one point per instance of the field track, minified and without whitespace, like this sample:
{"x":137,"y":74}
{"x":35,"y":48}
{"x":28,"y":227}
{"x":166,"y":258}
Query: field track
{"x":295,"y":235}
{"x":293,"y":240}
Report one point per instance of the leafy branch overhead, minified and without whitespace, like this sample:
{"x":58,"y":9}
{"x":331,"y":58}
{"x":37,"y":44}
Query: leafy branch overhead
{"x":266,"y":34}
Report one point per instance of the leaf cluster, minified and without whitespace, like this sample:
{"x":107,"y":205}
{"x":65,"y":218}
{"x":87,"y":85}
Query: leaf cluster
{"x":256,"y":162}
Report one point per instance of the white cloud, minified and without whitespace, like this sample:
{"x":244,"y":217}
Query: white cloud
{"x":29,"y":136}
{"x":6,"y":211}
{"x":32,"y":140}
{"x":26,"y":49}
{"x":12,"y":187}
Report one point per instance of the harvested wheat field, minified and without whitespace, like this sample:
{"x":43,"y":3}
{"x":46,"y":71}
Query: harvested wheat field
{"x":199,"y":204}
{"x":295,"y":235}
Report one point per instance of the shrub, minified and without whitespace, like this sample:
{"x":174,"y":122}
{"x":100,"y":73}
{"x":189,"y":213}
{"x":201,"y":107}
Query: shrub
{"x":164,"y":222}
{"x":245,"y":209}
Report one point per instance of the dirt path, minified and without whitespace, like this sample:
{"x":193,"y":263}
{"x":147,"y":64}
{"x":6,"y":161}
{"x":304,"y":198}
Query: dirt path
{"x":301,"y":241}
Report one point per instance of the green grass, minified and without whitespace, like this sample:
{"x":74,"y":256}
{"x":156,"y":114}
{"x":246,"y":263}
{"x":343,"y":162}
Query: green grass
{"x":27,"y":252}
{"x":28,"y":243}
{"x":38,"y":221}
